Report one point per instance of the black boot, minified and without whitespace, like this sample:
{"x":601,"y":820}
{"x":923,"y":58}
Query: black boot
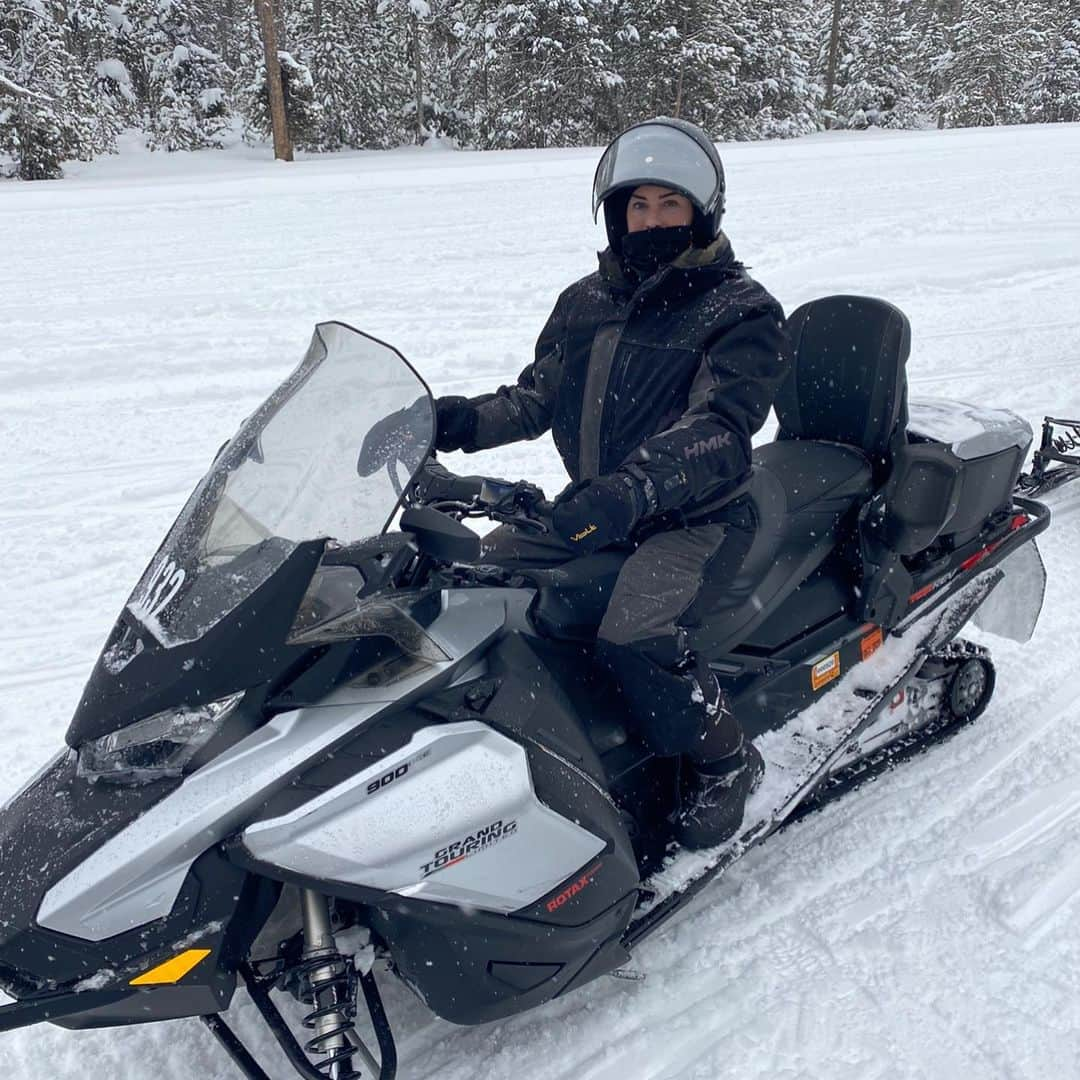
{"x":713,"y":796}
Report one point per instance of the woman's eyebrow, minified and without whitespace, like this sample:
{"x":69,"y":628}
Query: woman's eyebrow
{"x":645,"y":198}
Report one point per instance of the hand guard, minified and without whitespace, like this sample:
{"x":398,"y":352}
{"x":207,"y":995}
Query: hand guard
{"x":401,"y":436}
{"x":598,"y":513}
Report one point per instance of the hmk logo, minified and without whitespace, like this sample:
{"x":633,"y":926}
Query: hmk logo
{"x":705,"y":446}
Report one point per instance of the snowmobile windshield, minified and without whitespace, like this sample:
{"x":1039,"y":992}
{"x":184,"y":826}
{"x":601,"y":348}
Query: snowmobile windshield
{"x":657,"y":154}
{"x":290,"y":475}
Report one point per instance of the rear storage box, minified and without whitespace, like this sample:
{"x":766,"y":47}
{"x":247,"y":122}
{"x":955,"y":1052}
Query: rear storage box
{"x":985,"y":448}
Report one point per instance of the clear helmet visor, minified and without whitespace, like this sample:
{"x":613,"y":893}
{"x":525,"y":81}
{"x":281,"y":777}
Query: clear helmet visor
{"x":658,"y":154}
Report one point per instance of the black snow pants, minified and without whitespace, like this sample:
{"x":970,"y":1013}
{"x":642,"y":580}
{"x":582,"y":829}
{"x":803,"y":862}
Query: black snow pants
{"x":668,"y":585}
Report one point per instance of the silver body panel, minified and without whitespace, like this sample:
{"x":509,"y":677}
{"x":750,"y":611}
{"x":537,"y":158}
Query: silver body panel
{"x":455,"y":820}
{"x":971,"y":431}
{"x":136,"y":876}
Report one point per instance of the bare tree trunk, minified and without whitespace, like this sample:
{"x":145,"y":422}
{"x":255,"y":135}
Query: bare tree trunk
{"x":830,"y":72}
{"x":278,"y":120}
{"x":956,"y":9}
{"x":225,"y":21}
{"x":418,"y":67}
{"x":682,"y":68}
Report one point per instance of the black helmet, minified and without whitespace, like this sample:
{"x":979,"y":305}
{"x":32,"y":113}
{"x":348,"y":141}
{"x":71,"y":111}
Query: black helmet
{"x":674,"y":153}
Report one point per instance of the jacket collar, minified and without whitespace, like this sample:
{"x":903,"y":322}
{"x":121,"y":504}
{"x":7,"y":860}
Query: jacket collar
{"x":685,"y":275}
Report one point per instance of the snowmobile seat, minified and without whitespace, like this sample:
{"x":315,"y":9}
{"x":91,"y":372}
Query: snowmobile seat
{"x":802,"y":494}
{"x":848,"y":382}
{"x":842,"y":412}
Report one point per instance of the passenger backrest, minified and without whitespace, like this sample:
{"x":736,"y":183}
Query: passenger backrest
{"x":848,"y":383}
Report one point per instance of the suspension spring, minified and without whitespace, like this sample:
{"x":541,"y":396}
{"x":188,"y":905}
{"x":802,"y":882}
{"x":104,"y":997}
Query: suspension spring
{"x":331,"y":982}
{"x":328,"y":981}
{"x":1068,"y":441}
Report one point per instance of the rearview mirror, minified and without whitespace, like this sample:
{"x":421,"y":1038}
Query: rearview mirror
{"x":441,"y":536}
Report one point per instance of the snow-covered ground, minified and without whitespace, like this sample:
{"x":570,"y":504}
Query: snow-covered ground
{"x":927,"y":926}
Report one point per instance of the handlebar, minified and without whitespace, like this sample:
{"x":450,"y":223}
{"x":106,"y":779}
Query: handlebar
{"x":508,"y":502}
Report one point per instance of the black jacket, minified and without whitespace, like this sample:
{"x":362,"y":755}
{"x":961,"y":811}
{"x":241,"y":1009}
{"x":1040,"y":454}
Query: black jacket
{"x":668,"y":380}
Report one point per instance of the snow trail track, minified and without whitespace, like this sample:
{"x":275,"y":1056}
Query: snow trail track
{"x":925,"y":926}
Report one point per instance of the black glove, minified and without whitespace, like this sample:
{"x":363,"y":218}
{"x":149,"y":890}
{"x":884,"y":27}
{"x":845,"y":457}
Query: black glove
{"x":456,"y":420}
{"x":596,"y":513}
{"x":400,"y":436}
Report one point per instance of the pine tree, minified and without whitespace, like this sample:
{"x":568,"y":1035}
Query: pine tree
{"x":875,"y":84}
{"x":773,"y":92}
{"x":991,"y":65}
{"x":187,"y":103}
{"x":95,"y":29}
{"x":1052,"y":93}
{"x":934,"y":25}
{"x":681,"y":61}
{"x":538,"y":74}
{"x":301,"y":105}
{"x":47,"y":108}
{"x":359,"y":89}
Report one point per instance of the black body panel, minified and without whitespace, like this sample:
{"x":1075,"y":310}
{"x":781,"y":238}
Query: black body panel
{"x":245,"y":649}
{"x":220,"y":908}
{"x":484,"y":966}
{"x":58,"y":822}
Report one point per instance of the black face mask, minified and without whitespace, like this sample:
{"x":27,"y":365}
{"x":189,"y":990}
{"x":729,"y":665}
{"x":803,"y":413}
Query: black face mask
{"x":643,"y":253}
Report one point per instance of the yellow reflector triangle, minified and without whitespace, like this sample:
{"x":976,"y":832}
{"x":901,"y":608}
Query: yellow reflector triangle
{"x":172,"y":971}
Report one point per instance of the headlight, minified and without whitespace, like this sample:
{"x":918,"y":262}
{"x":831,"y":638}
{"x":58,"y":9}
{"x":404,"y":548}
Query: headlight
{"x":155,"y":748}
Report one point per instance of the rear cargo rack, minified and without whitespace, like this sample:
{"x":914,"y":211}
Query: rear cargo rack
{"x":1057,"y":460}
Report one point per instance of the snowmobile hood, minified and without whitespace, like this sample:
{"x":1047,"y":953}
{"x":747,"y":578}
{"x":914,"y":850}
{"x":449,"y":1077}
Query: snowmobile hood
{"x":136,"y":676}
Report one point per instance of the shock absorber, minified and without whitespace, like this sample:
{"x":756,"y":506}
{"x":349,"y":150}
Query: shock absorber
{"x":331,"y":980}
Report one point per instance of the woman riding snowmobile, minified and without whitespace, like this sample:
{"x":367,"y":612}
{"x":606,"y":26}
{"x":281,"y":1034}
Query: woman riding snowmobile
{"x":653,"y":373}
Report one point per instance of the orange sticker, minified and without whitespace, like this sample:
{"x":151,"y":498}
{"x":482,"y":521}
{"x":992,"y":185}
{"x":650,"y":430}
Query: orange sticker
{"x":871,"y":643}
{"x":824,"y":671}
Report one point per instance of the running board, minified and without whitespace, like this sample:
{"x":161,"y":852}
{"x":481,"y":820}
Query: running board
{"x":821,"y":746}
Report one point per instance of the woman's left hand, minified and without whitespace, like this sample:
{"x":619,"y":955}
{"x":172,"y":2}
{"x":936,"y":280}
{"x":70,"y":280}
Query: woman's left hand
{"x":598,"y":513}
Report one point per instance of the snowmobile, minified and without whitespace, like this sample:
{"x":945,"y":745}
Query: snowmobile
{"x":324,"y":743}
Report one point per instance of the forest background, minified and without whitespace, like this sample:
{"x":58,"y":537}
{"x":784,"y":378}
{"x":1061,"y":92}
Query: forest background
{"x":536,"y":73}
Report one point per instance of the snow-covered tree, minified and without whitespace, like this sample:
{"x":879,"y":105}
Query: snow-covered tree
{"x":875,"y":83}
{"x":96,"y":29}
{"x":680,"y":61}
{"x":1052,"y":92}
{"x":301,"y":106}
{"x":185,"y":82}
{"x":360,"y":85}
{"x":773,"y":92}
{"x":992,"y":62}
{"x":535,"y":74}
{"x":47,"y":107}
